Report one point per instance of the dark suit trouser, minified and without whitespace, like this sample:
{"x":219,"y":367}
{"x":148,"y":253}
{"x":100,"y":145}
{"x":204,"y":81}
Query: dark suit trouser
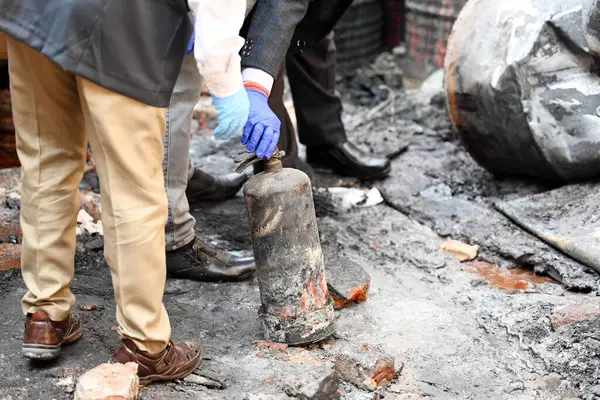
{"x":311,"y":75}
{"x":318,"y":109}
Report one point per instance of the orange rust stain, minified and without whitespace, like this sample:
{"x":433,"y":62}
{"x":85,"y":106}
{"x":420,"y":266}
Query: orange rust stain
{"x":270,"y":378}
{"x":358,"y":295}
{"x":10,"y":256}
{"x":382,"y":376}
{"x":322,"y":296}
{"x":451,"y":96}
{"x":315,"y":297}
{"x":507,"y":279}
{"x":269,"y":345}
{"x":338,"y":302}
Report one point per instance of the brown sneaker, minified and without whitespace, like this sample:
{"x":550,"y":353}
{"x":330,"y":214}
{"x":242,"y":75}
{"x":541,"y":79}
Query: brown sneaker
{"x":44,"y":338}
{"x":177,"y":361}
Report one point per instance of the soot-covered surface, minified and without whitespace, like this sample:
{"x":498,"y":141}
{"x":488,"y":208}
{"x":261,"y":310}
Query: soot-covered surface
{"x":461,"y":329}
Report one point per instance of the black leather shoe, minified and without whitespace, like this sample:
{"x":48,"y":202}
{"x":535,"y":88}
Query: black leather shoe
{"x":205,"y":187}
{"x":199,"y":261}
{"x":348,"y":160}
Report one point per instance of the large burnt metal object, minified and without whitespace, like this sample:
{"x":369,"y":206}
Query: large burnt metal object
{"x":523,"y":88}
{"x":296,"y":307}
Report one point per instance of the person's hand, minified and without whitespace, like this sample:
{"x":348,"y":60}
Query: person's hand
{"x":261,"y":132}
{"x":232,"y":112}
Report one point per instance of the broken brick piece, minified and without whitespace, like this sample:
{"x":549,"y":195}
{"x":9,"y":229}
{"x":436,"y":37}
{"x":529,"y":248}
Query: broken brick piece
{"x":318,"y":383}
{"x":460,"y":250}
{"x":109,"y":382}
{"x":271,"y":350}
{"x":265,"y":345}
{"x":365,"y":367}
{"x":589,"y":311}
{"x":90,"y":202}
{"x":10,"y":256}
{"x":348,"y":282}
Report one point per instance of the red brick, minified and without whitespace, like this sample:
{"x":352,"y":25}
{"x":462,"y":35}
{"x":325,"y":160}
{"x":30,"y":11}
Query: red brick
{"x":577,"y":313}
{"x":109,"y":382}
{"x":366,"y":367}
{"x":10,"y":256}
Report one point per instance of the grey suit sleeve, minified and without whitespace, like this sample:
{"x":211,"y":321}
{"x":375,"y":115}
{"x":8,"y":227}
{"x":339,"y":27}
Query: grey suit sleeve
{"x":591,"y":25}
{"x":271,"y":26}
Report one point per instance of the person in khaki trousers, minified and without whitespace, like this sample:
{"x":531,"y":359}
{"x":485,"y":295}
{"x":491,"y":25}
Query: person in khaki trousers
{"x":53,"y":110}
{"x":89,"y":70}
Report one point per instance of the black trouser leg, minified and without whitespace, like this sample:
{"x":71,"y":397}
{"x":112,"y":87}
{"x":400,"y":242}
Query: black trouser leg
{"x":318,"y":109}
{"x":287,"y":138}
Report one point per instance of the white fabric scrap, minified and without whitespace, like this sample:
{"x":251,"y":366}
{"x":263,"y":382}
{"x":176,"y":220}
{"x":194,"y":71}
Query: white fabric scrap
{"x":348,"y":198}
{"x":85,"y":223}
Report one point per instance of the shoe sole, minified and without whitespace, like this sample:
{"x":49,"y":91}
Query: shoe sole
{"x":240,"y":278}
{"x":44,"y":352}
{"x":160,"y":378}
{"x":348,"y":172}
{"x":244,"y":277}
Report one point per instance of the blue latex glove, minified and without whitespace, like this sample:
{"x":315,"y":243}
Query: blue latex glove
{"x":261,"y":132}
{"x":232,"y":112}
{"x":190,"y":46}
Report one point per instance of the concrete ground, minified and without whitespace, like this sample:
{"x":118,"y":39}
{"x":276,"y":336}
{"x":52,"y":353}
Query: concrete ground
{"x":472,"y":330}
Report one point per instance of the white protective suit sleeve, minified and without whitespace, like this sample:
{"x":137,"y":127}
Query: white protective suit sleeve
{"x":217,"y":43}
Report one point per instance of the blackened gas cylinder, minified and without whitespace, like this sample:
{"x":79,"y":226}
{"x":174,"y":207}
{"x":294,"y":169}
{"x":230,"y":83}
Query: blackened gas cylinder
{"x":295,"y":304}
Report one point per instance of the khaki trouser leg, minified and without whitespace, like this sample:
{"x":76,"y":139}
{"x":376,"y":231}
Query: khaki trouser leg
{"x":51,"y":144}
{"x":126,"y":140}
{"x":51,"y":108}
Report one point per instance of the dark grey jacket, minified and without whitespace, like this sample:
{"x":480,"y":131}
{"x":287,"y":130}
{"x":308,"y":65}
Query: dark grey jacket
{"x":276,"y":27}
{"x":133,"y":47}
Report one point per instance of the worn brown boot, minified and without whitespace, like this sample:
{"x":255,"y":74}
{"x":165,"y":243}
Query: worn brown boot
{"x":176,"y":361}
{"x":44,"y":338}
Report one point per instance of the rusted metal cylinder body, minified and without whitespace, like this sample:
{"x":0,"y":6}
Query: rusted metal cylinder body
{"x":295,"y":304}
{"x":522,"y":95}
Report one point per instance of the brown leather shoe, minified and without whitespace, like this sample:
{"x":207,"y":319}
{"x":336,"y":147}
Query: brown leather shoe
{"x":177,"y":361}
{"x":44,"y":338}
